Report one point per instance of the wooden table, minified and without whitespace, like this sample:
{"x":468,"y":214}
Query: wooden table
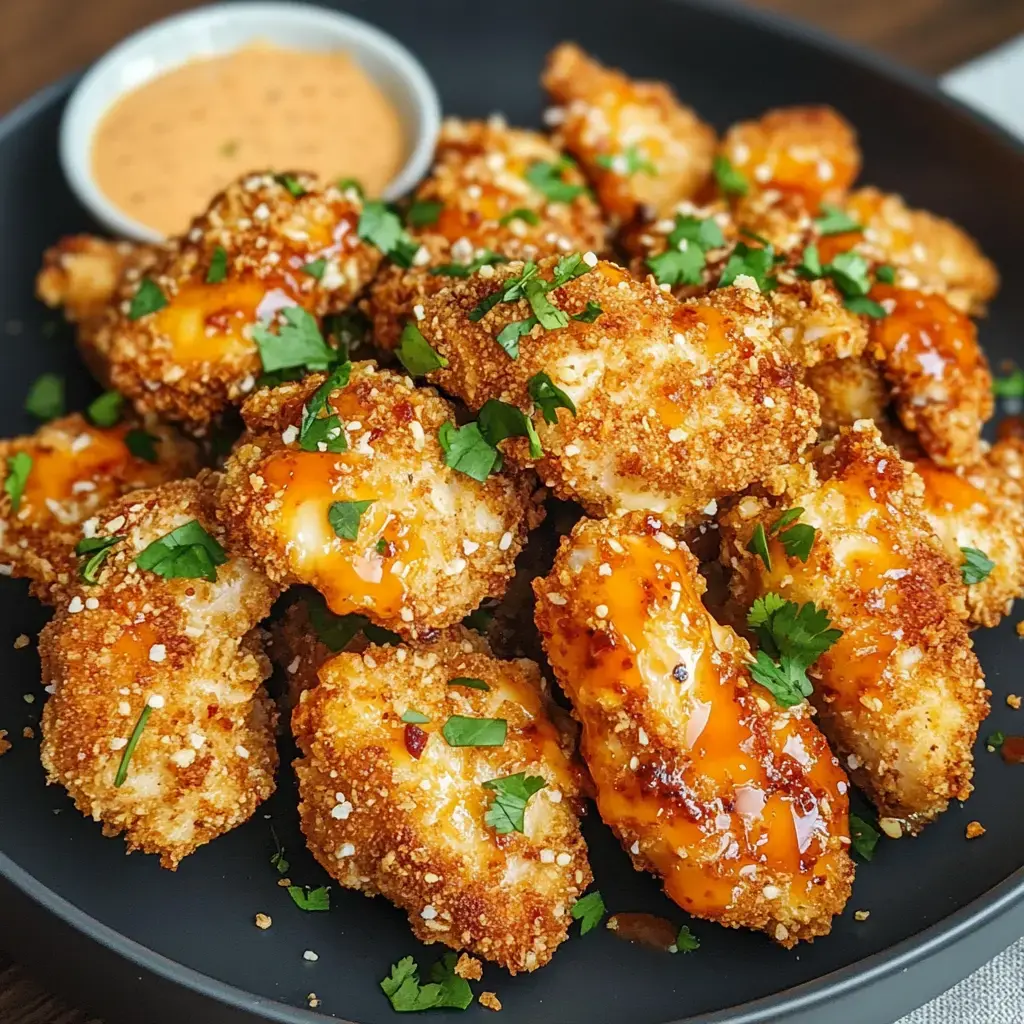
{"x":930,"y":35}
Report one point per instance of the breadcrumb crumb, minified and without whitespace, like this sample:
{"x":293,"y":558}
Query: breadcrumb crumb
{"x":263,"y":921}
{"x":490,"y":1000}
{"x":861,"y":915}
{"x":974,"y":829}
{"x":469,"y":967}
{"x":1013,"y":701}
{"x":5,"y":743}
{"x":21,"y":640}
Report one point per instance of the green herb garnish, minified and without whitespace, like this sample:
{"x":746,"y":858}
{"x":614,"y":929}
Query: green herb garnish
{"x":317,"y":430}
{"x":469,"y":682}
{"x":413,"y":717}
{"x":731,"y":181}
{"x":976,"y":566}
{"x":684,"y":259}
{"x":97,"y":549}
{"x":466,"y":450}
{"x":549,"y":397}
{"x":546,"y":178}
{"x":306,"y":898}
{"x":105,"y":411}
{"x":187,"y":552}
{"x":686,"y":941}
{"x":995,"y":740}
{"x":758,"y":545}
{"x":446,"y":990}
{"x":507,"y":811}
{"x":530,"y":217}
{"x":218,"y":269}
{"x":148,"y":298}
{"x":499,"y":420}
{"x":462,"y":731}
{"x":315,"y":269}
{"x":416,"y":354}
{"x":423,"y":212}
{"x":835,"y":221}
{"x":19,"y":465}
{"x":142,"y":444}
{"x":291,"y":183}
{"x":45,"y":399}
{"x":589,"y":910}
{"x":487,"y":258}
{"x":297,"y":343}
{"x":133,"y":742}
{"x":863,"y":837}
{"x":381,"y":227}
{"x":627,"y":163}
{"x":751,"y":262}
{"x":344,"y":517}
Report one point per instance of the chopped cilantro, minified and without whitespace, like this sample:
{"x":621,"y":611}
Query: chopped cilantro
{"x":344,"y":184}
{"x":306,"y":898}
{"x":863,"y":837}
{"x":627,"y":163}
{"x":187,"y":552}
{"x":508,"y":808}
{"x":835,"y":221}
{"x":445,"y":990}
{"x":549,"y":397}
{"x":278,"y":859}
{"x":413,"y":717}
{"x":849,"y":270}
{"x":45,"y":399}
{"x":462,"y":731}
{"x":142,"y":444}
{"x":550,"y":317}
{"x":527,"y":216}
{"x":758,"y":545}
{"x":291,"y":183}
{"x":298,"y":342}
{"x":508,"y":337}
{"x":731,"y":181}
{"x":379,"y":225}
{"x":423,"y":212}
{"x":105,"y":411}
{"x":315,"y":269}
{"x":590,"y":313}
{"x":752,"y":262}
{"x":487,"y":258}
{"x":480,"y":620}
{"x":416,"y":354}
{"x":810,"y":262}
{"x":686,"y":941}
{"x":218,"y":269}
{"x":589,"y":910}
{"x":885,"y":274}
{"x":499,"y":420}
{"x":317,"y":430}
{"x":381,"y":547}
{"x":684,"y":259}
{"x":1010,"y":386}
{"x":546,"y":178}
{"x":510,"y":291}
{"x":469,"y":682}
{"x":133,"y":742}
{"x":976,"y":566}
{"x":344,"y":517}
{"x":148,"y":298}
{"x":863,"y":306}
{"x":466,"y":450}
{"x":19,"y":465}
{"x":97,"y":549}
{"x":995,"y":740}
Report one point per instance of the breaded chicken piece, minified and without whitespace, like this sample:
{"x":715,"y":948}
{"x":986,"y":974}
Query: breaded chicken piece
{"x":849,"y":390}
{"x":981,"y":507}
{"x":432,"y":542}
{"x":481,"y":181}
{"x":940,"y":378}
{"x":195,"y":355}
{"x":67,"y":470}
{"x":927,"y":251}
{"x":735,"y":803}
{"x":159,"y":726}
{"x":900,"y":694}
{"x":407,"y":810}
{"x":811,"y":152}
{"x":641,"y":147}
{"x":676,"y":404}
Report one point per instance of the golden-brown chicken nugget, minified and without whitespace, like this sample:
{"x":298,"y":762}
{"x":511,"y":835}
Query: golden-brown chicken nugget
{"x":657,"y":404}
{"x":641,"y":147}
{"x":159,"y":726}
{"x":56,"y":478}
{"x":735,"y":802}
{"x":433,"y":775}
{"x":900,"y":694}
{"x":361,"y":504}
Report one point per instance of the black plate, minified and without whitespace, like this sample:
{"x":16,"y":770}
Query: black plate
{"x":141,"y":944}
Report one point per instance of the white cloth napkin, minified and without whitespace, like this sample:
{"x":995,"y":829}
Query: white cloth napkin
{"x":995,"y":993}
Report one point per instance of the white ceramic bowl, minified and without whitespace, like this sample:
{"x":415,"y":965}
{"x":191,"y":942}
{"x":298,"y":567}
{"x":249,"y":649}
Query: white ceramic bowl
{"x":221,"y":28}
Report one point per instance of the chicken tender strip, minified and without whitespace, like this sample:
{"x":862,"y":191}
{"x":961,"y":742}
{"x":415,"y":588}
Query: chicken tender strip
{"x":394,"y":809}
{"x":677,"y":404}
{"x":900,"y":694}
{"x":186,"y":650}
{"x":67,"y":470}
{"x":431,"y":544}
{"x":811,"y":152}
{"x":735,"y":803}
{"x":195,"y":356}
{"x":487,"y":205}
{"x":927,"y":251}
{"x":641,"y":147}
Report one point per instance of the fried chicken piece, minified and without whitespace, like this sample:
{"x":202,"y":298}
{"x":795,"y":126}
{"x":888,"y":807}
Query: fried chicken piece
{"x":487,"y":205}
{"x":639,"y":145}
{"x":159,"y":726}
{"x":811,"y":152}
{"x":396,"y":809}
{"x":900,"y":694}
{"x":432,"y":543}
{"x":927,"y":251}
{"x":734,"y":802}
{"x":940,"y":379}
{"x":676,"y":404}
{"x":194,"y":355}
{"x":67,"y":470}
{"x":849,"y":390}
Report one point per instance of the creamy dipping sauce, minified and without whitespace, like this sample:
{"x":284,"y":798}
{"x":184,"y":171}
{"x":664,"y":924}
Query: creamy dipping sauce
{"x":165,"y":149}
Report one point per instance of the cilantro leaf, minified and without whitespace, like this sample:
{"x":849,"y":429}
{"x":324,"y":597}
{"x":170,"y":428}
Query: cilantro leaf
{"x":849,"y":270}
{"x":19,"y":465}
{"x":45,"y":399}
{"x":763,"y":608}
{"x":298,"y":342}
{"x":187,"y":552}
{"x":344,"y":184}
{"x":863,"y":837}
{"x":590,"y":313}
{"x":344,"y":517}
{"x":148,"y":298}
{"x":407,"y":995}
{"x":423,"y":212}
{"x":97,"y":549}
{"x":142,"y":444}
{"x":810,"y":262}
{"x":1010,"y":386}
{"x":380,"y":226}
{"x":885,"y":274}
{"x":487,"y":258}
{"x":550,"y":317}
{"x":627,"y":163}
{"x":133,"y":741}
{"x":454,"y":991}
{"x":835,"y":221}
{"x":510,"y":291}
{"x":731,"y":181}
{"x":976,"y":566}
{"x":105,"y":411}
{"x":684,"y":260}
{"x":863,"y":306}
{"x":278,"y":859}
{"x":469,"y":682}
{"x":589,"y":910}
{"x":218,"y":269}
{"x":687,"y":942}
{"x":568,"y":268}
{"x":786,"y":680}
{"x":508,"y":337}
{"x":316,"y":429}
{"x":463,"y":731}
{"x":758,"y":545}
{"x":467,"y":451}
{"x":291,"y":183}
{"x":315,"y":269}
{"x":546,"y":178}
{"x":995,"y":740}
{"x":798,"y":540}
{"x":791,"y":515}
{"x":521,"y":213}
{"x":416,"y":354}
{"x":508,"y":808}
{"x":413,"y":717}
{"x":752,"y":262}
{"x":306,"y":898}
{"x":499,"y":420}
{"x":480,"y":620}
{"x":549,"y":397}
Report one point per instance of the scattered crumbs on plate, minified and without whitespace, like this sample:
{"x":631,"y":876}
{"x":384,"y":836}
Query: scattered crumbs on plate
{"x":861,"y":915}
{"x":263,"y":921}
{"x":21,"y":640}
{"x":469,"y":968}
{"x":1020,"y":628}
{"x":310,"y":956}
{"x":891,"y":827}
{"x":1013,"y":700}
{"x":974,"y":829}
{"x":28,"y":698}
{"x":490,"y":1000}
{"x":312,"y":1001}
{"x":28,"y":733}
{"x":284,"y":882}
{"x":5,"y":743}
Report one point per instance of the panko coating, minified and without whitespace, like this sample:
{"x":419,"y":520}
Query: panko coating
{"x":736,"y":803}
{"x":406,"y":809}
{"x":940,"y":379}
{"x":810,"y":152}
{"x":927,"y":251}
{"x":982,"y":507}
{"x":173,"y":664}
{"x":641,"y":147}
{"x":900,"y":695}
{"x":486,"y":205}
{"x":677,"y":404}
{"x":67,"y":470}
{"x":849,"y":390}
{"x":431,"y":543}
{"x":244,"y":263}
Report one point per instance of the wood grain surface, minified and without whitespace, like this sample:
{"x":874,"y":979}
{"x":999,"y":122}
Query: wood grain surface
{"x":45,"y":39}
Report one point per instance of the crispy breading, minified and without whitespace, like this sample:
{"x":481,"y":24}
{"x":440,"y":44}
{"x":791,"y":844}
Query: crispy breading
{"x":900,"y":695}
{"x":940,"y":379}
{"x":736,"y":803}
{"x":927,"y":251}
{"x":677,"y":404}
{"x":432,"y":544}
{"x":809,"y":151}
{"x":849,"y":390}
{"x":639,"y":145}
{"x":184,"y":648}
{"x":196,"y":356}
{"x":486,"y":204}
{"x":76,"y":468}
{"x":393,"y":809}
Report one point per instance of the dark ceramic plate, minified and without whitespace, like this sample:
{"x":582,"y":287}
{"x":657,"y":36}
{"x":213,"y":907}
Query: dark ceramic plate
{"x":138,"y":943}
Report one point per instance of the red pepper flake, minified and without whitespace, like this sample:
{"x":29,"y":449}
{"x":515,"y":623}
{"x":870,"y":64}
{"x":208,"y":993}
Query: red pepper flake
{"x":415,"y":740}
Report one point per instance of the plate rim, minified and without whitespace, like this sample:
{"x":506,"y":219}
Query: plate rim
{"x":914,"y":950}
